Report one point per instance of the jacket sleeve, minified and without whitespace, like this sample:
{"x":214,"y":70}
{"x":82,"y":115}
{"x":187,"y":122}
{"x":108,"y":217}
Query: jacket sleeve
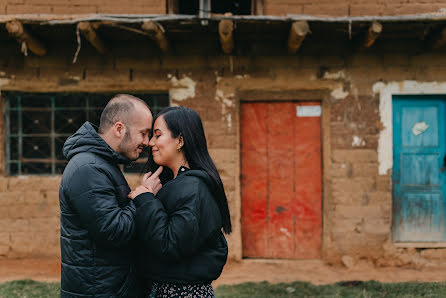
{"x":171,"y":235}
{"x":93,"y":197}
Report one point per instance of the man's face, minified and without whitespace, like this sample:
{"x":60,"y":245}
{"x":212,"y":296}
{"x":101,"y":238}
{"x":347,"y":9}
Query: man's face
{"x":136,"y":135}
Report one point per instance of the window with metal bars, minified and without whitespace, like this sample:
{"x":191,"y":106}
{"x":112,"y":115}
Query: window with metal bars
{"x":37,"y":125}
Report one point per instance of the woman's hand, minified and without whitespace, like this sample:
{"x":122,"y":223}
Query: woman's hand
{"x":152,"y":181}
{"x":139,"y":190}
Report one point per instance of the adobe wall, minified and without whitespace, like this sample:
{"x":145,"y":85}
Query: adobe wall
{"x":357,"y":200}
{"x":271,"y":7}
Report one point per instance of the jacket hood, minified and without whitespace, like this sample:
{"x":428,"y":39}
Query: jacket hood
{"x":203,"y":176}
{"x":86,"y":139}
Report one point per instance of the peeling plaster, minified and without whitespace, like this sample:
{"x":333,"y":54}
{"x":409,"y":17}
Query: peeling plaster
{"x":241,"y":77}
{"x":357,"y":142}
{"x":386,"y":91}
{"x":226,"y":101}
{"x":182,"y":89}
{"x":334,"y":75}
{"x":4,"y":81}
{"x":339,"y":93}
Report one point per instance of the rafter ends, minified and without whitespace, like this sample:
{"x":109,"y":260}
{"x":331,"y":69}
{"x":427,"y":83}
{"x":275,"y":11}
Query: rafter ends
{"x":156,"y":32}
{"x":372,"y":34}
{"x":225,"y":29}
{"x":88,"y":32}
{"x":26,"y":40}
{"x":298,"y":32}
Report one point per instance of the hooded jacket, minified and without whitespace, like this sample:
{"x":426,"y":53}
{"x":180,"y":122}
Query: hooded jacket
{"x":180,"y":230}
{"x":96,"y":220}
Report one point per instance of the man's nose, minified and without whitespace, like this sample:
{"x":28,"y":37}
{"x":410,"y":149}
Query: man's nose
{"x":146,"y":141}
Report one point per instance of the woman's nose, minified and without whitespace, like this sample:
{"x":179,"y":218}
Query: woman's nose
{"x":151,"y":142}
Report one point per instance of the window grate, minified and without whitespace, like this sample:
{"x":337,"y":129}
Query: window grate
{"x":37,"y":125}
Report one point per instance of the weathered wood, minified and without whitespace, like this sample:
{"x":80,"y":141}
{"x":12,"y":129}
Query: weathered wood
{"x":437,"y":40}
{"x":15,"y":29}
{"x":225,"y":28}
{"x":173,"y":7}
{"x":156,"y":32}
{"x":88,"y":32}
{"x":371,"y":35}
{"x":297,"y":35}
{"x":257,"y":7}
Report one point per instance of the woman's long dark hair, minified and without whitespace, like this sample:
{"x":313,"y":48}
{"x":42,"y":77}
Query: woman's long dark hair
{"x":185,"y":121}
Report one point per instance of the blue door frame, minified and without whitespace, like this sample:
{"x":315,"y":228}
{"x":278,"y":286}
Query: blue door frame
{"x":418,"y":177}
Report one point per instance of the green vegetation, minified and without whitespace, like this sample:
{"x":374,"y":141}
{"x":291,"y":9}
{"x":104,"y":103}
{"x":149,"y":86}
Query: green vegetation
{"x":29,"y":288}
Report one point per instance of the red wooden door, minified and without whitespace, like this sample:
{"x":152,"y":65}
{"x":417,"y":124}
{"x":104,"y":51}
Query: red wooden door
{"x":281,"y":180}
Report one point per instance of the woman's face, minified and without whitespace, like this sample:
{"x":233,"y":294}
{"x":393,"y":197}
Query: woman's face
{"x":164,"y":146}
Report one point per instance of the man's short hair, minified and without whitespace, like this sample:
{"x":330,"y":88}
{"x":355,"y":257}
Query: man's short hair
{"x":119,"y":108}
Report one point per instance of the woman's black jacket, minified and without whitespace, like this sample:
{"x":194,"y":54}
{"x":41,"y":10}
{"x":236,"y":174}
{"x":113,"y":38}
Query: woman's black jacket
{"x":180,"y":230}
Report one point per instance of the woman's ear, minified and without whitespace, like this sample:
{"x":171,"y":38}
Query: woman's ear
{"x":180,"y":141}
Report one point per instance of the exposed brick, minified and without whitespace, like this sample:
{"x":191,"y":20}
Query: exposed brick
{"x":51,"y":224}
{"x":362,"y":184}
{"x":4,"y":238}
{"x":27,"y":9}
{"x":34,"y":183}
{"x":3,"y":184}
{"x":372,"y":9}
{"x":365,"y":169}
{"x":384,"y":183}
{"x":377,"y":226}
{"x":81,"y":9}
{"x":400,"y":59}
{"x":365,"y":212}
{"x":14,"y":225}
{"x":434,"y":254}
{"x":357,"y":155}
{"x":326,"y":9}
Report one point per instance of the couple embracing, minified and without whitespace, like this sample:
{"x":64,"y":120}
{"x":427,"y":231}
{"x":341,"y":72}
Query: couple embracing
{"x":162,"y":239}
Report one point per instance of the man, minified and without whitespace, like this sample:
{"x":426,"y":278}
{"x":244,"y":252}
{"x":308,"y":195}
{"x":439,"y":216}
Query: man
{"x":97,"y":227}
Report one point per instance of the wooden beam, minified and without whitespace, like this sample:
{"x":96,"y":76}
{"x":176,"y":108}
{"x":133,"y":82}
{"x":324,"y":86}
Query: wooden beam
{"x":156,"y":32}
{"x":173,"y":7}
{"x":225,"y":28}
{"x":437,"y":39}
{"x":15,"y":29}
{"x":372,"y":34}
{"x":297,"y":35}
{"x":257,"y":7}
{"x":88,"y":32}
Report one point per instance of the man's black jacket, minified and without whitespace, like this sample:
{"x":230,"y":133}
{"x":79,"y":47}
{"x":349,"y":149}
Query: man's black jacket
{"x":96,"y":220}
{"x":180,"y":230}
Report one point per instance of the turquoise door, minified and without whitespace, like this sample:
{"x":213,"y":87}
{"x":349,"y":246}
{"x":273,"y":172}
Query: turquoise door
{"x":419,"y":179}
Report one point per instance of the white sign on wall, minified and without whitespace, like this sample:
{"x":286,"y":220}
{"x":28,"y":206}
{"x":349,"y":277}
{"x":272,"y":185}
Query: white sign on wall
{"x":309,"y":111}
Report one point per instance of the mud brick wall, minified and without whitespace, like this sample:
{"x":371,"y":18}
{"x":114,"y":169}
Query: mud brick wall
{"x":271,"y":7}
{"x":357,"y":199}
{"x":10,"y":7}
{"x":352,"y":7}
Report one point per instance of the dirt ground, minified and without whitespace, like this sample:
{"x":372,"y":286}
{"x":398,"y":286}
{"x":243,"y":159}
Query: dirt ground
{"x":315,"y":272}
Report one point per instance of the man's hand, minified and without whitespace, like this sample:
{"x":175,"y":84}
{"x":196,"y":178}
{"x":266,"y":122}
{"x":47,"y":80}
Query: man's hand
{"x":139,"y":190}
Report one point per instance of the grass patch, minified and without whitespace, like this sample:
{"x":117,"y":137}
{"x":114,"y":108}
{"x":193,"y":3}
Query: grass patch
{"x":341,"y":289}
{"x":29,"y":288}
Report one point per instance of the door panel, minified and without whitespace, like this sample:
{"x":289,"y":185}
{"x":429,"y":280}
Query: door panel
{"x":281,"y":181}
{"x":418,"y":182}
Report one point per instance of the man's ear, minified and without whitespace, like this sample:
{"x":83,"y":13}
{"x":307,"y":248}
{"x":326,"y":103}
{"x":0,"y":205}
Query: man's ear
{"x":119,"y":129}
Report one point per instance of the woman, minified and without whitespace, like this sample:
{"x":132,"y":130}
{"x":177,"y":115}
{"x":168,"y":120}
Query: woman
{"x":181,"y":227}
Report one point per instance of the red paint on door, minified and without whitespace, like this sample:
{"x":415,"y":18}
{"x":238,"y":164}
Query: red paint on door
{"x":281,"y":181}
